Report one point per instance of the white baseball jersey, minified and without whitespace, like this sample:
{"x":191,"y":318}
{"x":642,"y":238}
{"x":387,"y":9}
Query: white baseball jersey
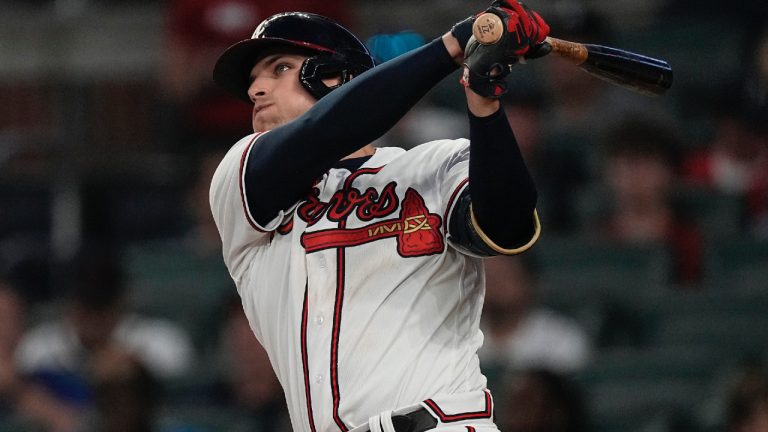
{"x":356,"y":292}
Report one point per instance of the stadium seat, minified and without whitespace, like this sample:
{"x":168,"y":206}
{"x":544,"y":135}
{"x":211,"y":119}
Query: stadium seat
{"x":169,"y":280}
{"x":738,"y":264}
{"x":693,"y":363}
{"x":641,"y":405}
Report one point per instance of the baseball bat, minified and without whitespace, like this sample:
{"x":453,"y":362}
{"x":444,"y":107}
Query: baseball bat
{"x":630,"y":70}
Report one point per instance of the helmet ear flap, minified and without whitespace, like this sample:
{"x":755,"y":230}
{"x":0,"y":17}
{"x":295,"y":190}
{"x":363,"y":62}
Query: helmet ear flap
{"x":323,"y":66}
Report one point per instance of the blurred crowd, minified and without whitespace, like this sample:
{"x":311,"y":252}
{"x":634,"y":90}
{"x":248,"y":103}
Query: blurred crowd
{"x":641,"y":308}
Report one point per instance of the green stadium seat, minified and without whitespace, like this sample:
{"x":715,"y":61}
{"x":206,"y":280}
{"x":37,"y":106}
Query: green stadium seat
{"x":741,"y":334}
{"x":717,"y":215}
{"x":602,"y":285}
{"x":200,"y":419}
{"x":686,"y":53}
{"x":169,"y":280}
{"x":640,"y":405}
{"x":15,"y":424}
{"x":588,"y":263}
{"x":738,"y":264}
{"x":693,"y":363}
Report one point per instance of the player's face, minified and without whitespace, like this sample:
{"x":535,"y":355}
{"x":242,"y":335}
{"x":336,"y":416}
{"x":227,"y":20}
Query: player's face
{"x":276,"y":92}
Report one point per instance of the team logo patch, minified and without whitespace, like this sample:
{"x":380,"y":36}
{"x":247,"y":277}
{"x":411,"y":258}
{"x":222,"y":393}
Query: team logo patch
{"x":416,"y":230}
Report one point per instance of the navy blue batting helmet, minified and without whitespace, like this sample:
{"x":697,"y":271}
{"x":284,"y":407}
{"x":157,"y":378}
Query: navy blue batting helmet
{"x":333,"y":52}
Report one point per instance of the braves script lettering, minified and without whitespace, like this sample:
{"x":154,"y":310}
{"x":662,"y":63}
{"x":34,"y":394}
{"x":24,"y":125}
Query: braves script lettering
{"x":366,"y":206}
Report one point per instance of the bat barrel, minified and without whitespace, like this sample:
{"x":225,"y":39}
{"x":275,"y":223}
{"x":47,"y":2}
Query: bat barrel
{"x":638,"y":72}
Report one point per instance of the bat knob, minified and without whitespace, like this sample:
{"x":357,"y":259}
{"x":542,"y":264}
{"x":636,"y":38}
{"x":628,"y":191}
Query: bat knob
{"x":488,"y":28}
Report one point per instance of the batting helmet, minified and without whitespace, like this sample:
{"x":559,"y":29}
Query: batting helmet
{"x":334,"y":52}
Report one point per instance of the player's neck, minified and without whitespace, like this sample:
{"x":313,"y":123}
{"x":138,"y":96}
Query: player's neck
{"x":368,"y":150}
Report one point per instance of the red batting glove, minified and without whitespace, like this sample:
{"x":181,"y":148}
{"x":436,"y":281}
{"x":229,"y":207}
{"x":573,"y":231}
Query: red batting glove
{"x":523,"y":18}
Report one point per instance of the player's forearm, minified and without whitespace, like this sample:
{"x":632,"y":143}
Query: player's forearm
{"x":480,"y":106}
{"x":503,"y":193}
{"x":454,"y":48}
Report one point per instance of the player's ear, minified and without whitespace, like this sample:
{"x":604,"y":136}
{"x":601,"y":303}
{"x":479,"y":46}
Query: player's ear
{"x":335,"y":81}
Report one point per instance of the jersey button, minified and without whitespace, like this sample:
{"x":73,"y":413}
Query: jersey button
{"x":318,"y":379}
{"x":320,"y":319}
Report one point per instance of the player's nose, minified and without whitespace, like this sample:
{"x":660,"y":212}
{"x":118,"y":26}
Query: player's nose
{"x":256,"y":90}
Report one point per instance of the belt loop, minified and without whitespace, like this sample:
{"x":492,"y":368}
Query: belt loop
{"x":374,"y":423}
{"x":386,"y":421}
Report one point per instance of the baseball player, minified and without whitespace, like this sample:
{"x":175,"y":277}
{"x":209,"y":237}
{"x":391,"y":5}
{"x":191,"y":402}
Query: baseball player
{"x":360,"y":268}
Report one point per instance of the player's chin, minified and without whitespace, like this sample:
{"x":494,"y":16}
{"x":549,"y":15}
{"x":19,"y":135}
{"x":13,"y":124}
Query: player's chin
{"x":263,"y":121}
{"x":261,"y":125}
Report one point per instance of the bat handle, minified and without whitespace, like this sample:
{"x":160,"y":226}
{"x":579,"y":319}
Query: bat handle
{"x":573,"y":51}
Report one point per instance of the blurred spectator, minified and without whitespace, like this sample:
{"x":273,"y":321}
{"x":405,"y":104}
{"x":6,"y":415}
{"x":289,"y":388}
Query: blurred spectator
{"x":539,"y":400}
{"x":182,"y":277}
{"x":238,"y":390}
{"x":521,"y":334}
{"x":641,"y":171}
{"x":21,"y":400}
{"x":248,"y":391}
{"x":756,"y":82}
{"x":12,"y":317}
{"x":425,"y":122}
{"x":747,"y":402}
{"x":736,"y":159}
{"x":125,"y":394}
{"x":581,"y":105}
{"x":96,"y":333}
{"x":577,"y":108}
{"x":254,"y":387}
{"x":202,"y":236}
{"x":196,"y":33}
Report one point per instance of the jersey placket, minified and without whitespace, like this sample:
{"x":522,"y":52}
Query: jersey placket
{"x":325,"y":295}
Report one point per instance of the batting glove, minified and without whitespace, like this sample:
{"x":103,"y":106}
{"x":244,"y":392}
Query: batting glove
{"x":509,"y":32}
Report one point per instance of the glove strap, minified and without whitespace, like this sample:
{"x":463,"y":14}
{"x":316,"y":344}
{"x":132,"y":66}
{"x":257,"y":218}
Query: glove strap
{"x":489,"y":87}
{"x":462,"y":31}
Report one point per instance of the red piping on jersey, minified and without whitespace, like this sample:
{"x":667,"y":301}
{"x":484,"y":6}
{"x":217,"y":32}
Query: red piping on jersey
{"x":449,"y":418}
{"x":248,"y":216}
{"x":304,"y":358}
{"x":450,"y":202}
{"x":470,"y":429}
{"x":335,"y":334}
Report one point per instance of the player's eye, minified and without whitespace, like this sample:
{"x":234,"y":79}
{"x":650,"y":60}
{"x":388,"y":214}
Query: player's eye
{"x":281,"y":67}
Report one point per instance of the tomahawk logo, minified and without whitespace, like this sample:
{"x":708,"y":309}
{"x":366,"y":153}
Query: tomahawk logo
{"x":416,"y":231}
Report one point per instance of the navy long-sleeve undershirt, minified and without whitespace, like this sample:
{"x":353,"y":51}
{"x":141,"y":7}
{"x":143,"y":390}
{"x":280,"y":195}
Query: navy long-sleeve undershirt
{"x":503,"y":193}
{"x":290,"y":158}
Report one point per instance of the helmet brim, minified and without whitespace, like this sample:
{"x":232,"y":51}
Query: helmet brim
{"x":233,"y":68}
